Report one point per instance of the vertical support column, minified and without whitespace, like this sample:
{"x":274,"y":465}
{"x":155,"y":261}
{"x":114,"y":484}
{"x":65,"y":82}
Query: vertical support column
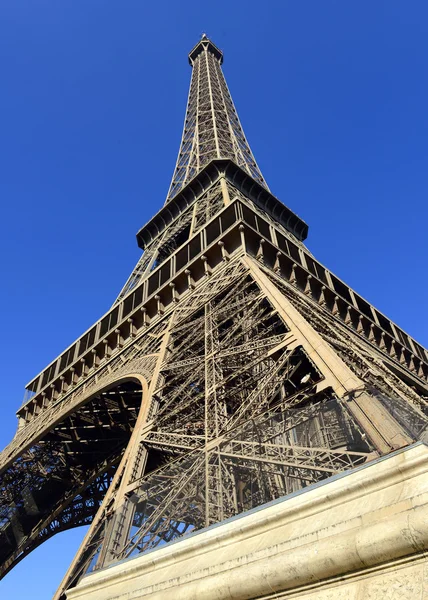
{"x":133,"y":466}
{"x":217,"y":147}
{"x":225,"y":191}
{"x":113,"y":521}
{"x":213,"y":472}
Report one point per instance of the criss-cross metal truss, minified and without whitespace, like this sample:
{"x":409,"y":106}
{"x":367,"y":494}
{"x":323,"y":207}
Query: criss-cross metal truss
{"x":211,"y":126}
{"x":212,"y":130}
{"x":233,"y":369}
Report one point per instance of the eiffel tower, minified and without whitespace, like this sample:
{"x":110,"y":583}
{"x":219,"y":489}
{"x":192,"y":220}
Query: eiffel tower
{"x":232,"y":369}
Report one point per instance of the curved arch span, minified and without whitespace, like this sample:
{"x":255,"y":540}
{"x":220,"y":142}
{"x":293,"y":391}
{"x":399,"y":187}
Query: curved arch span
{"x":60,"y":481}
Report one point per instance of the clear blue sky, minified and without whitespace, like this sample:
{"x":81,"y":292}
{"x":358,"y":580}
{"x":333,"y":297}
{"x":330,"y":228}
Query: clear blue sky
{"x":333,"y":99}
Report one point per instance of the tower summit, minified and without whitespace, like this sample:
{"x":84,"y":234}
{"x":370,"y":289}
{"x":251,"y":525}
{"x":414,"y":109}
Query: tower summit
{"x":232,"y":370}
{"x":212,"y":140}
{"x":211,"y":127}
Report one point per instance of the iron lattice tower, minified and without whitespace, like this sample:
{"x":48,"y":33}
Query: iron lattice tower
{"x":232,"y":369}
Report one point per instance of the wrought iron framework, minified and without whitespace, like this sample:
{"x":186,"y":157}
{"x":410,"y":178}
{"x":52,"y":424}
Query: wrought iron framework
{"x":232,"y":369}
{"x":211,"y":126}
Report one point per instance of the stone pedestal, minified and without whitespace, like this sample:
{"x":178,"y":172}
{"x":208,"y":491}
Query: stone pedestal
{"x":359,"y":535}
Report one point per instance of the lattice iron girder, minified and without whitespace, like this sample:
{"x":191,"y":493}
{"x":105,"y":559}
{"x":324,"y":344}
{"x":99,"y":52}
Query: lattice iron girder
{"x":166,"y":487}
{"x":251,"y":343}
{"x":78,"y":394}
{"x":300,"y":458}
{"x":249,"y":300}
{"x":67,"y":462}
{"x":69,"y":513}
{"x":211,"y":128}
{"x":315,"y":459}
{"x":171,"y":238}
{"x":338,"y":334}
{"x":152,"y":436}
{"x":295,"y":268}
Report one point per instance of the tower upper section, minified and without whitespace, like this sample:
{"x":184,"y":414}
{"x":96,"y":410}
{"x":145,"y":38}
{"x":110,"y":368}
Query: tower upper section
{"x":211,"y":127}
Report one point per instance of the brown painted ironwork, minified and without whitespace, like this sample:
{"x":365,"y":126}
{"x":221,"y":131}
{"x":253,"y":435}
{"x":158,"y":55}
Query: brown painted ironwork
{"x":232,"y":369}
